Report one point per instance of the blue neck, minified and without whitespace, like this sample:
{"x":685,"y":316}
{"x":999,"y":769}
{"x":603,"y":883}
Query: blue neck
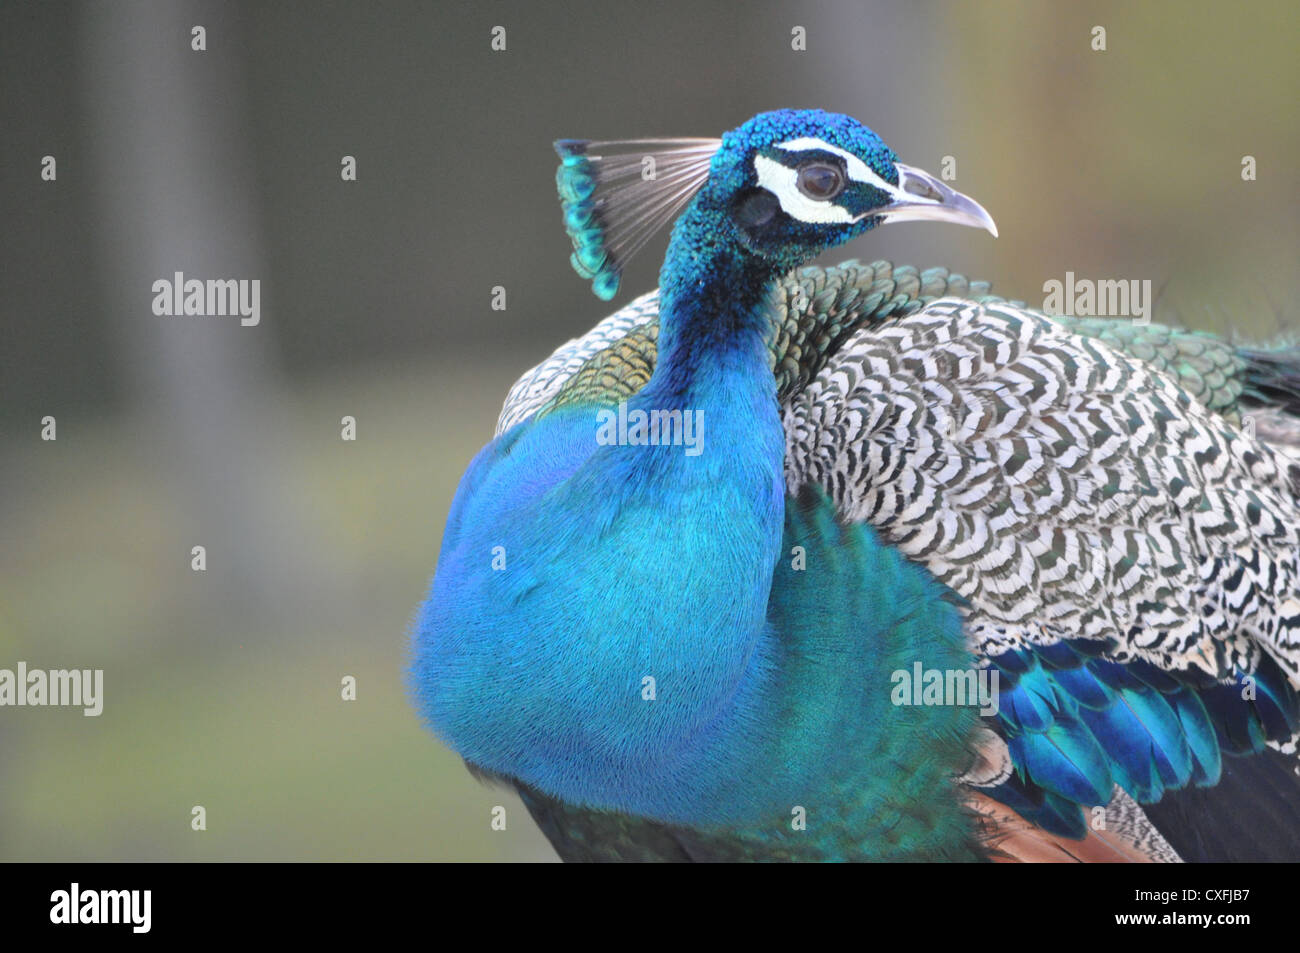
{"x":712,"y":324}
{"x":716,"y":516}
{"x":625,"y":562}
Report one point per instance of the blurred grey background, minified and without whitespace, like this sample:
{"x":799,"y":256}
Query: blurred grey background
{"x":222,"y":688}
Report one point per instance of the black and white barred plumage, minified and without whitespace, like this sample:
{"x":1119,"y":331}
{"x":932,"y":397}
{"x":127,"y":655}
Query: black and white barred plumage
{"x":1061,"y":486}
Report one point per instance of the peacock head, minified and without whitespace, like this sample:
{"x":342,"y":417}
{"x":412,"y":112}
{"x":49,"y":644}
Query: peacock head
{"x":787,"y":185}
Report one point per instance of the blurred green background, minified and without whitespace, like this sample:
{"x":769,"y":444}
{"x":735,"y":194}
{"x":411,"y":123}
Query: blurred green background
{"x":222,"y":688}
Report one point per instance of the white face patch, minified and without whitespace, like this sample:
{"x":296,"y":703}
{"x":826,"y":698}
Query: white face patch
{"x":858,"y":170}
{"x":781,"y":181}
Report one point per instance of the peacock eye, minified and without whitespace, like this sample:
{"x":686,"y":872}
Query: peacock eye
{"x":820,"y":180}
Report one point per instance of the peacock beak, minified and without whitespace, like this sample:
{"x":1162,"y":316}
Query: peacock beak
{"x":920,"y":197}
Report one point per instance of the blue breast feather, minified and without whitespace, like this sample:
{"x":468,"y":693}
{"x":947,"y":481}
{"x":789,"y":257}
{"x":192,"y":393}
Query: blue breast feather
{"x":804,"y":715}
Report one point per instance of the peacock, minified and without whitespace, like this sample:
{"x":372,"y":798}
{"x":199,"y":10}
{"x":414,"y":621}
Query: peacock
{"x":782,"y":562}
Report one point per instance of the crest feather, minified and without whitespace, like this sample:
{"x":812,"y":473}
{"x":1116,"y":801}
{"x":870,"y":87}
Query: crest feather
{"x":617,"y":194}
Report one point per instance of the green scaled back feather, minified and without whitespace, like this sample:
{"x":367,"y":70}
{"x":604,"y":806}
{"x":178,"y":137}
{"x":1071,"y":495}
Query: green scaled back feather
{"x":814,"y":309}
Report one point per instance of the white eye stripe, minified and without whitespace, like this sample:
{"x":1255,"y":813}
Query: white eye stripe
{"x":782,"y":181}
{"x":858,"y":170}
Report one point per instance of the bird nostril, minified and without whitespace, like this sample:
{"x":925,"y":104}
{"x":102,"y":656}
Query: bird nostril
{"x":923,"y":189}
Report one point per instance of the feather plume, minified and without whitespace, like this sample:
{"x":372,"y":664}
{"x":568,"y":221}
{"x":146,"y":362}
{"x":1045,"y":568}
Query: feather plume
{"x":616,"y":195}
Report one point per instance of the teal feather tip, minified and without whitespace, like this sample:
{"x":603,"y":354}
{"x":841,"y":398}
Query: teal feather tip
{"x":616,"y":195}
{"x":576,"y":180}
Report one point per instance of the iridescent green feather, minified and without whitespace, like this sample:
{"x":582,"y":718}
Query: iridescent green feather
{"x":1208,"y":368}
{"x":814,"y":309}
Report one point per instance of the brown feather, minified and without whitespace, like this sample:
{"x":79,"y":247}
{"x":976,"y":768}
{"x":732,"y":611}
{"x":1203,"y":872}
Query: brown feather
{"x":1011,"y":839}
